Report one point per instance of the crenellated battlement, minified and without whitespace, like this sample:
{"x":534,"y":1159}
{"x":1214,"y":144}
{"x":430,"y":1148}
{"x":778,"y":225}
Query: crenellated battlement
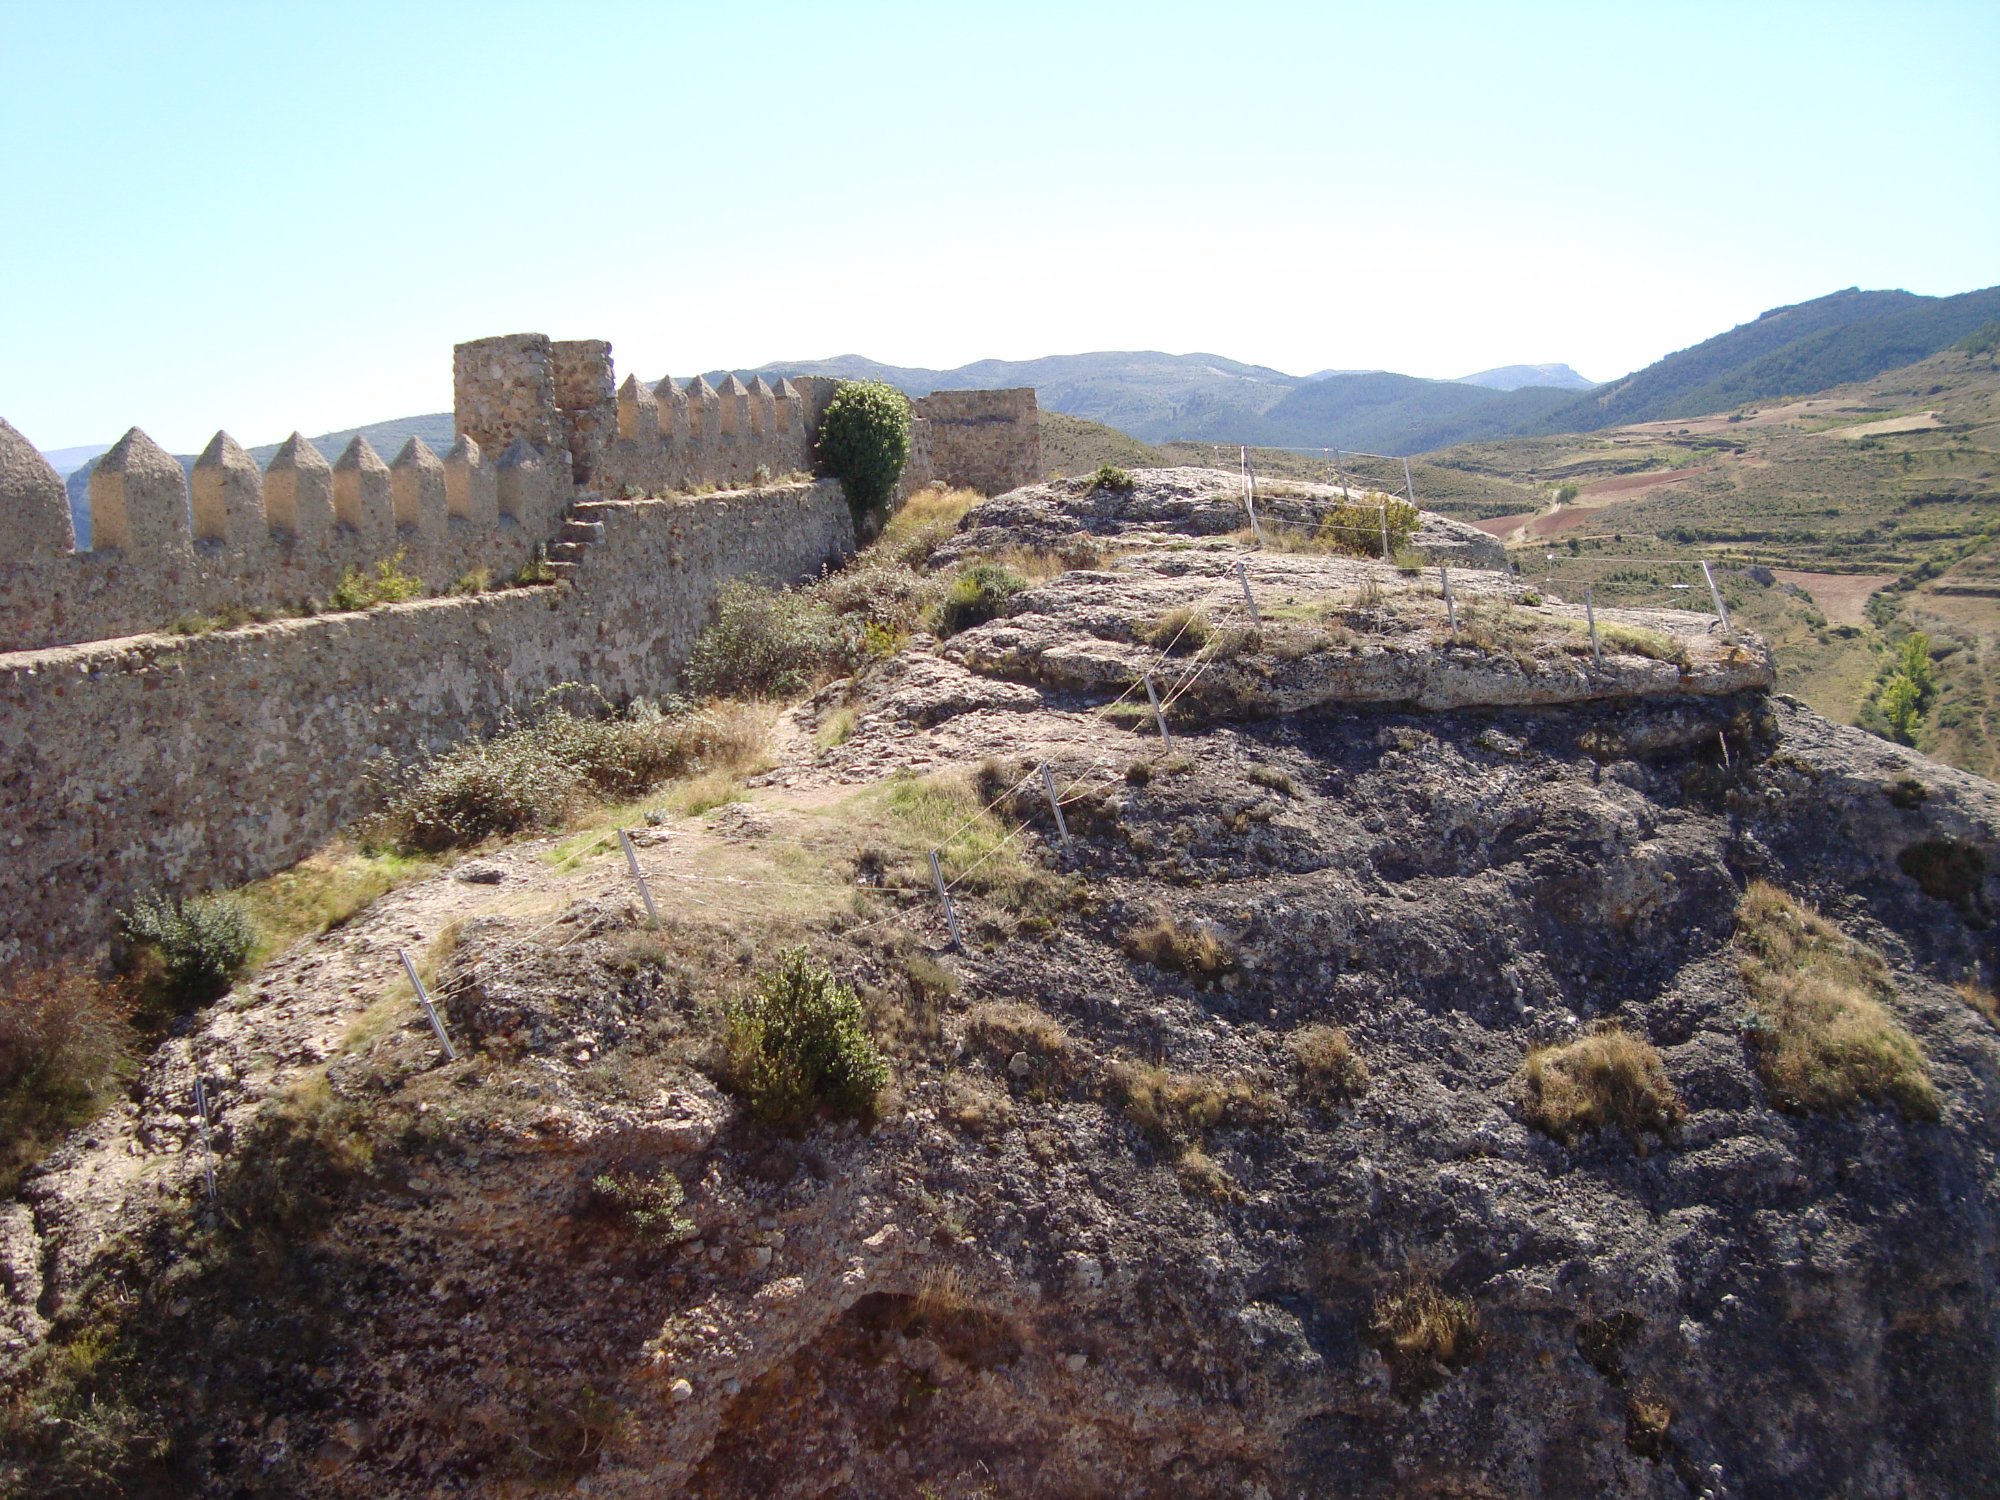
{"x":540,"y":423}
{"x":169,"y":545}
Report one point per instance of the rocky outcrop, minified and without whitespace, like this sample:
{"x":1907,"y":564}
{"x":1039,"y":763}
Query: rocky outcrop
{"x":1109,"y":1234}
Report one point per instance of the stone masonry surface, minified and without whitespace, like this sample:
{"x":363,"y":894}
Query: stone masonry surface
{"x":196,"y":762}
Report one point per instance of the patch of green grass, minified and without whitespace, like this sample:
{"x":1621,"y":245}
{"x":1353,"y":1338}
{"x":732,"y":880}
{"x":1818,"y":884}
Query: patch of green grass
{"x":1820,"y":1029}
{"x":322,"y":892}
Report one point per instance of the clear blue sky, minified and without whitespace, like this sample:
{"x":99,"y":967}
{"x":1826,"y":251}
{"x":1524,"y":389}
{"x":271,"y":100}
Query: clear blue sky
{"x":271,"y":216}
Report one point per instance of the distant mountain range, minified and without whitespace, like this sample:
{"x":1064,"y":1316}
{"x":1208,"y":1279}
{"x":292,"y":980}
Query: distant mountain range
{"x":1788,"y":351}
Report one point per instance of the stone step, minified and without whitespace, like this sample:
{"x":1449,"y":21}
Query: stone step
{"x":568,"y":552}
{"x":586,"y":532}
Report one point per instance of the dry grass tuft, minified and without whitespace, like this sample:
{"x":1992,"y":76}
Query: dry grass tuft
{"x":1823,"y":1037}
{"x":1329,"y":1071}
{"x":1203,"y":1174}
{"x":1423,"y":1333}
{"x":924,"y":523}
{"x":1182,"y":629}
{"x":1172,"y":1105}
{"x":1007,"y":1027}
{"x":65,"y":1043}
{"x":1980,"y":1000}
{"x":1192,"y":951}
{"x":1606,"y":1077}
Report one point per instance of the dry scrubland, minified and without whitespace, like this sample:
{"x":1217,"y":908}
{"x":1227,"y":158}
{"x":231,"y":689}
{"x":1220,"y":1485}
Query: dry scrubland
{"x":1453,"y":1064}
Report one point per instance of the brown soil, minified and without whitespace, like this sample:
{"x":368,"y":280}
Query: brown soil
{"x":1841,"y":597}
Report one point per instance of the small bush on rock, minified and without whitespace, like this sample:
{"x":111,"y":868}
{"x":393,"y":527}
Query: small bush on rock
{"x":769,"y":643}
{"x":651,"y":1205}
{"x":1329,"y":1070}
{"x":64,"y":1042}
{"x":796,"y":1045}
{"x":1606,"y":1077}
{"x":201,"y":943}
{"x":388,"y":584}
{"x":977,"y":595}
{"x":864,"y":441}
{"x":538,"y":774}
{"x":1111,"y":477}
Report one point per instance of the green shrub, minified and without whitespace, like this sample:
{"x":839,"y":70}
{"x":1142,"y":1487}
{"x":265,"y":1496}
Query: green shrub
{"x":1111,"y":477}
{"x":1905,"y":690}
{"x":864,"y":441}
{"x":473,"y":581}
{"x":796,"y":1044}
{"x":769,"y":643}
{"x":651,"y":1205}
{"x":537,"y":569}
{"x":977,"y":595}
{"x":538,"y":774}
{"x":202,"y":942}
{"x":388,"y":584}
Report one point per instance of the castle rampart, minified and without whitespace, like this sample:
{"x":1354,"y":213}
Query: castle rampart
{"x":190,"y":762}
{"x":540,"y":422}
{"x":197,"y":759}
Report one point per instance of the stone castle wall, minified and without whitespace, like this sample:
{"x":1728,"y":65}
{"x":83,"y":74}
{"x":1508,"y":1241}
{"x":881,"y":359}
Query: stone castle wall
{"x":188,"y":762}
{"x":197,"y":762}
{"x":540,"y":422}
{"x":168,"y":546}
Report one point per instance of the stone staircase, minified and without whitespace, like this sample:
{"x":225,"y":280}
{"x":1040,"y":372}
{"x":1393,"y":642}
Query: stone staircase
{"x":580,"y":532}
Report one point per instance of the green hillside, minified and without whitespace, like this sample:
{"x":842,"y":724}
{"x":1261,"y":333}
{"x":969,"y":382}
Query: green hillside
{"x":1788,"y":351}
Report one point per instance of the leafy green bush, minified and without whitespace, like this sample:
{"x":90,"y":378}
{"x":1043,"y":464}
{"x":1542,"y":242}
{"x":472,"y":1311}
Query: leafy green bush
{"x":651,"y":1205}
{"x":202,"y":942}
{"x":1111,"y":477}
{"x":769,"y":643}
{"x":537,"y":774}
{"x":864,"y":441}
{"x":977,"y":595}
{"x":388,"y":584}
{"x":537,"y":569}
{"x":797,"y":1044}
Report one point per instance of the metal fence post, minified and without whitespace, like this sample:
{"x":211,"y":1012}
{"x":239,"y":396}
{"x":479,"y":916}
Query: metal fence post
{"x":639,"y":877}
{"x":1249,"y":600}
{"x":1590,"y":614}
{"x":944,"y":895}
{"x":1450,"y":604}
{"x":1715,"y":594}
{"x":430,"y":1011}
{"x":1055,"y":806}
{"x":1158,"y":717}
